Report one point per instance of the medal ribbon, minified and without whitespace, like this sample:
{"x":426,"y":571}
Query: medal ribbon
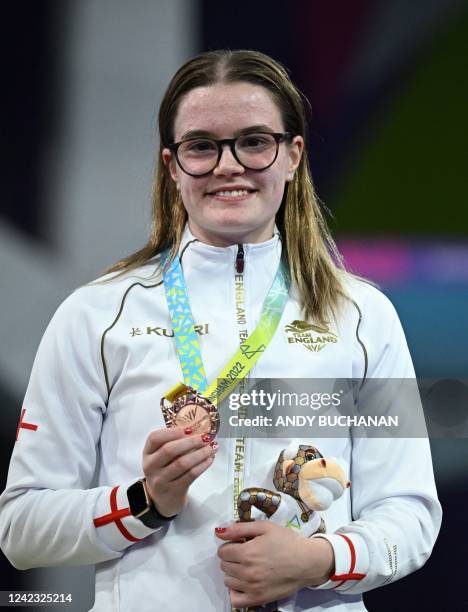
{"x":188,"y":347}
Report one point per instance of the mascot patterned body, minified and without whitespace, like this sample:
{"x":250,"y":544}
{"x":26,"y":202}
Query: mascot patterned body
{"x":306,"y":483}
{"x":310,"y":484}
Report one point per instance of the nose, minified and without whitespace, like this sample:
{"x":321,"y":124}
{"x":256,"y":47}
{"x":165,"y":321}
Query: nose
{"x":228,"y":164}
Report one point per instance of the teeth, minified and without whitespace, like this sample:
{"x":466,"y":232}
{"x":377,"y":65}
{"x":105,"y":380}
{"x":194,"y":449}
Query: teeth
{"x":232,"y":194}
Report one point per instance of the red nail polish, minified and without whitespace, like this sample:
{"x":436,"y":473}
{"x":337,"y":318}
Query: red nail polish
{"x":220,"y":529}
{"x":188,"y":431}
{"x":214,"y":445}
{"x":206,"y":437}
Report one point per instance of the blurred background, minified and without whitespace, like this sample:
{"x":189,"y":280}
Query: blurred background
{"x":388,"y":87}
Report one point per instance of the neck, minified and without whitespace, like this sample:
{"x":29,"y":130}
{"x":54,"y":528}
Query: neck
{"x":230,"y":238}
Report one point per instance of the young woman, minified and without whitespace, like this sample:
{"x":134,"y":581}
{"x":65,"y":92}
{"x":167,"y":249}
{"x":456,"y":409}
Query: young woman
{"x":233,"y":208}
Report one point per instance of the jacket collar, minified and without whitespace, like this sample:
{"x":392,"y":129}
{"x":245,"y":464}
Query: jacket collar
{"x":189,"y":241}
{"x":205,"y":265}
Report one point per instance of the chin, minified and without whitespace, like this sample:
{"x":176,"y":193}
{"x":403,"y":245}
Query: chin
{"x":229,"y":224}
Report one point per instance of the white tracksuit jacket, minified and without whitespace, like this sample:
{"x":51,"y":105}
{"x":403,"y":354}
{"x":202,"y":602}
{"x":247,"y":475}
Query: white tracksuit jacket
{"x":107,"y":358}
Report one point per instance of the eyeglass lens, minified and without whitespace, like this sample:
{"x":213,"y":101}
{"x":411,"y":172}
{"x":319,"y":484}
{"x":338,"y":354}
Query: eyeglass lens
{"x":254,"y":151}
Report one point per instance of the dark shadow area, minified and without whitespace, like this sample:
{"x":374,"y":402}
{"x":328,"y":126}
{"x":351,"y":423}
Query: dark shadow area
{"x":31,"y":106}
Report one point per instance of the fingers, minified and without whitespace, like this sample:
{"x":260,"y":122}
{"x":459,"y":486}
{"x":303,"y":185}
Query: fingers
{"x":243,"y":600}
{"x":185,"y":480}
{"x":186,"y":464}
{"x":168,"y":486}
{"x":247,"y":530}
{"x":245,"y":588}
{"x":234,"y":584}
{"x":161,"y":450}
{"x":232,"y":552}
{"x":236,"y":578}
{"x":235,"y":570}
{"x":161,"y":436}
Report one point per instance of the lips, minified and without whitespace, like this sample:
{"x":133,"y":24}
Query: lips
{"x":237,"y":193}
{"x":231,"y":191}
{"x":232,"y":195}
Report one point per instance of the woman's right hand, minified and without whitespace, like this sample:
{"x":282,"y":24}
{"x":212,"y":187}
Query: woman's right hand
{"x":172,"y":459}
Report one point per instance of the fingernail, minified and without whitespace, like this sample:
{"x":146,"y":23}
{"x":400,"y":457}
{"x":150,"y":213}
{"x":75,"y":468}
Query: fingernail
{"x":188,"y":431}
{"x":220,"y":529}
{"x":214,"y":445}
{"x":206,"y":437}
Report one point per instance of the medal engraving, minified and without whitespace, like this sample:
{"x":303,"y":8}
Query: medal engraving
{"x":191,"y":409}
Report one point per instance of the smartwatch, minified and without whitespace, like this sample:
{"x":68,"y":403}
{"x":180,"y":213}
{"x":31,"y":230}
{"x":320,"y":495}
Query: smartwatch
{"x":142,"y":507}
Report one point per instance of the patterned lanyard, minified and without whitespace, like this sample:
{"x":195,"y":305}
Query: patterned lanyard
{"x":188,"y":347}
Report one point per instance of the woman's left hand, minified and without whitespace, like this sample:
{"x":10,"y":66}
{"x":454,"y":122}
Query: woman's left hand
{"x":272,"y":563}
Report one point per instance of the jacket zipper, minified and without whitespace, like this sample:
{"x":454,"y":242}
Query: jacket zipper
{"x":239,"y":268}
{"x":240,"y":259}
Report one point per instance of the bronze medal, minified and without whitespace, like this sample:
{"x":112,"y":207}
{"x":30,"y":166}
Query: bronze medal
{"x":188,"y":408}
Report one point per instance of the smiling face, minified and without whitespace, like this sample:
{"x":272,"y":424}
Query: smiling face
{"x":232,"y":204}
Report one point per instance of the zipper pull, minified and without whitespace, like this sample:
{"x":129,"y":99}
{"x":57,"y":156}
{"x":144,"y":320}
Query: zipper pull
{"x":240,"y":259}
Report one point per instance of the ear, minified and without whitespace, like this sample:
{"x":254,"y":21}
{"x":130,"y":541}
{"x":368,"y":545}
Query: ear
{"x":170,"y":163}
{"x":295,"y":151}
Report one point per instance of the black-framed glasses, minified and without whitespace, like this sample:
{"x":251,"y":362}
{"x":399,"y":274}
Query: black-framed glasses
{"x":254,"y":151}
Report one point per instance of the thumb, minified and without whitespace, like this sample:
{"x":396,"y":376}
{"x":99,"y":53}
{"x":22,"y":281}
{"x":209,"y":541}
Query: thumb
{"x":242,"y":531}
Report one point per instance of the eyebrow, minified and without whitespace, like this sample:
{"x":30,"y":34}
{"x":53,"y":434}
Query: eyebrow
{"x":247,"y":130}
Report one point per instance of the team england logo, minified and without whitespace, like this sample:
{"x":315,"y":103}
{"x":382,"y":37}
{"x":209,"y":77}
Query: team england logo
{"x":313,"y":337}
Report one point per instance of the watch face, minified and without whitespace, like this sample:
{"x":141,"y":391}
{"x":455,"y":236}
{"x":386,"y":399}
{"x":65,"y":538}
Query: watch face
{"x":143,"y":509}
{"x":192,"y":410}
{"x":137,"y":498}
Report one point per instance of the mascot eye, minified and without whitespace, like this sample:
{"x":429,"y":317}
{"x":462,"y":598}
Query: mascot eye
{"x":310,"y":456}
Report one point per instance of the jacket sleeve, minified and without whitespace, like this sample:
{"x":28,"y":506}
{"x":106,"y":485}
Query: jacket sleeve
{"x":48,"y":514}
{"x":396,"y":512}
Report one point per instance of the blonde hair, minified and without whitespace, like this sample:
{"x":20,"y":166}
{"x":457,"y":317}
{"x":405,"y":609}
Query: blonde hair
{"x":308,"y":248}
